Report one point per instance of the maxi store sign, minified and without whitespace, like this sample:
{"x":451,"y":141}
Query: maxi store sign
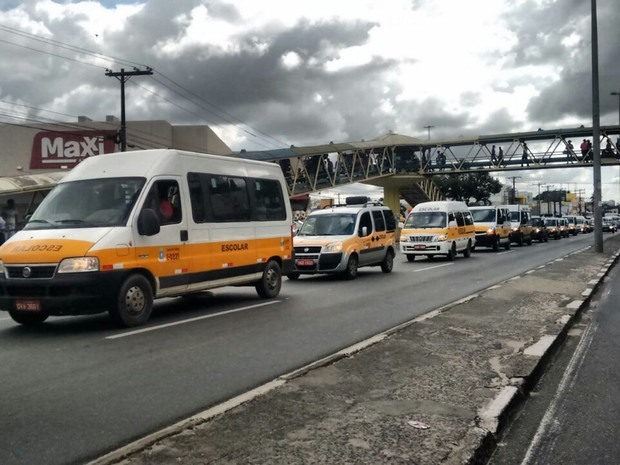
{"x":62,"y":150}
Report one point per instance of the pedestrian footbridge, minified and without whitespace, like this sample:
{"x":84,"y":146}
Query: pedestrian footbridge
{"x":404,"y":165}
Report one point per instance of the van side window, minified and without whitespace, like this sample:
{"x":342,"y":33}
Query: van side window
{"x":228,"y":198}
{"x":460,"y":221}
{"x":164,"y":198}
{"x":469,"y":220}
{"x":268,"y":200}
{"x":365,"y":221}
{"x":379,"y":221}
{"x":197,"y":197}
{"x":390,"y":220}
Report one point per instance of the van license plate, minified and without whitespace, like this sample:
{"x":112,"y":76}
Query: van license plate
{"x":28,"y":305}
{"x":305,"y":262}
{"x":419,"y":246}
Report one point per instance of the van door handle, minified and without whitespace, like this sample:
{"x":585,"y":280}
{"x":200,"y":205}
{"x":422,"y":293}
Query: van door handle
{"x":184,"y":235}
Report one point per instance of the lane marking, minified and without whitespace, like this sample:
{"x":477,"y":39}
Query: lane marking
{"x":550,"y":424}
{"x":504,"y":253}
{"x":190,"y":320}
{"x":431,"y":267}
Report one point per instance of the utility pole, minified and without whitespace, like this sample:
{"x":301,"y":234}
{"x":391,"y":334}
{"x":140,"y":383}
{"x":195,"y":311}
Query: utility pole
{"x":539,"y":210}
{"x":578,"y":192}
{"x":513,"y":196}
{"x":596,"y":137}
{"x":429,"y":130}
{"x":123,"y":76}
{"x":548,"y":198}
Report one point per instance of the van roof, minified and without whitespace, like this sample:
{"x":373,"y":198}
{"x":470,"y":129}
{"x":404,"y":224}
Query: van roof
{"x":443,"y":205}
{"x":147,"y":163}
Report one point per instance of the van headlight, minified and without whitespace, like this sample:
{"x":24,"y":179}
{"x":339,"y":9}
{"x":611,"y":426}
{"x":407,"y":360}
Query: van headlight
{"x":443,"y":237}
{"x":515,"y":229}
{"x":490,"y":231}
{"x":79,"y":265}
{"x":404,"y":238}
{"x":1,"y":267}
{"x":333,"y":247}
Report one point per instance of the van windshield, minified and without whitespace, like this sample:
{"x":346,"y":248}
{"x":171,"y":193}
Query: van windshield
{"x":515,"y":217}
{"x":426,"y":220}
{"x":483,"y":215}
{"x":86,"y":204}
{"x":328,"y":225}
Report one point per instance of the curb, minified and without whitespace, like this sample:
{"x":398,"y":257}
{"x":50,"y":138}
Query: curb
{"x":495,"y":416}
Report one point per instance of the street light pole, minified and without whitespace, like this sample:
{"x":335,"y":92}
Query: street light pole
{"x":618,"y":139}
{"x":429,"y":130}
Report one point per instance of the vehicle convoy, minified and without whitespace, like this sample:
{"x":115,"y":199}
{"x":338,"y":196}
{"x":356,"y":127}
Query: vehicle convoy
{"x":342,"y":239}
{"x":438,"y":228}
{"x":539,"y":229}
{"x":521,"y":226}
{"x":122,"y":229}
{"x":492,"y":225}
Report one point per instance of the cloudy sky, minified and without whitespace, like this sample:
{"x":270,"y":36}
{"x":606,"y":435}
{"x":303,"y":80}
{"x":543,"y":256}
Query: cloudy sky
{"x":270,"y":73}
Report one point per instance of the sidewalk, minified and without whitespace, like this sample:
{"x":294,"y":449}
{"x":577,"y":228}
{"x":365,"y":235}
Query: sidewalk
{"x":433,"y":391}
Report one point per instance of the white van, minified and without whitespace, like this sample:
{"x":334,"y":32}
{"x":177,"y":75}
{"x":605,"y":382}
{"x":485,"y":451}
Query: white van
{"x":521,"y":224}
{"x":493,"y":227}
{"x":438,"y":228}
{"x":122,"y":229}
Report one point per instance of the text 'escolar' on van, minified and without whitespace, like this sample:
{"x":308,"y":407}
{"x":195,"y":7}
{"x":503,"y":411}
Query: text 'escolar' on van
{"x":123,"y":229}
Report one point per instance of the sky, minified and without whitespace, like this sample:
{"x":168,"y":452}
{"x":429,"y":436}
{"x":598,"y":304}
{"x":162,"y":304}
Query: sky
{"x":273,"y":73}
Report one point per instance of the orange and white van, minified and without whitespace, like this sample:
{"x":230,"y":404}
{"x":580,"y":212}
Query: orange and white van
{"x":122,"y":229}
{"x":339,"y":240}
{"x":438,"y":228}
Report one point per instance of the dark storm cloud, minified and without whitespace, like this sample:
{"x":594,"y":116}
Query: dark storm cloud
{"x":540,"y":41}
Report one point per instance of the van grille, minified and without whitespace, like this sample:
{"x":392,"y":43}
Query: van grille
{"x":33,"y":272}
{"x":421,"y":238}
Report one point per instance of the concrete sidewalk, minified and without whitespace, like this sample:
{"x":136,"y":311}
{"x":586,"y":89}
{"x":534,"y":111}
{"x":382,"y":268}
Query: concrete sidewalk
{"x":433,"y":391}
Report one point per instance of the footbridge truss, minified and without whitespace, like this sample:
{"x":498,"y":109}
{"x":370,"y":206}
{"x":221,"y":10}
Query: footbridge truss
{"x":404,"y":165}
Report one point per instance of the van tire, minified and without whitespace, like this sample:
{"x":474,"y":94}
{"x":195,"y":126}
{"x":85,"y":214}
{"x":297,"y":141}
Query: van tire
{"x":294,"y":276}
{"x":28,"y":319}
{"x":507,"y":245}
{"x":410,"y":257}
{"x":134,"y":303}
{"x":388,"y":262}
{"x":452,"y":253}
{"x":529,"y":240}
{"x":495,"y":245}
{"x":467,"y":251}
{"x":351,"y":271}
{"x":270,"y":283}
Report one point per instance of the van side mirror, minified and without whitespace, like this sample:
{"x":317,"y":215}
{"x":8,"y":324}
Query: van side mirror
{"x":452,"y":224}
{"x":364,"y":231}
{"x":148,"y":223}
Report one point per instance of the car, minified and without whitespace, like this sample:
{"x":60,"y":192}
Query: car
{"x":609,"y":225}
{"x":338,"y":240}
{"x":553,"y":228}
{"x":539,"y":229}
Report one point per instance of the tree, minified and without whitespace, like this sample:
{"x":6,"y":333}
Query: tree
{"x":465,"y":187}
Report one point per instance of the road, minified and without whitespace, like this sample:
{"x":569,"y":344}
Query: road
{"x":76,"y":388}
{"x":572,"y":416}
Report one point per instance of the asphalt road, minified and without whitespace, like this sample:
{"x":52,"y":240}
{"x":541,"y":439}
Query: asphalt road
{"x":76,"y":388}
{"x":572,"y":416}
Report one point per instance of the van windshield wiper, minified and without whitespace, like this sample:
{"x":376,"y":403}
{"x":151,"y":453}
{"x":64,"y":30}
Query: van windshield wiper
{"x":71,"y":221}
{"x":41,"y":221}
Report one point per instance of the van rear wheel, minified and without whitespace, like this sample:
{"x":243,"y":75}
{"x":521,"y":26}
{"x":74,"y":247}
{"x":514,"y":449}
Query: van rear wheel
{"x":467,"y":251}
{"x":270,"y":283}
{"x":28,"y":319}
{"x":134,"y":303}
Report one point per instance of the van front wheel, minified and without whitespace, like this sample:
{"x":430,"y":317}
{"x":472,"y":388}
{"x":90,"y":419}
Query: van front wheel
{"x":134,"y":303}
{"x":351,"y":271}
{"x":452,"y":253}
{"x":467,"y":251}
{"x":270,"y":283}
{"x":388,"y":262}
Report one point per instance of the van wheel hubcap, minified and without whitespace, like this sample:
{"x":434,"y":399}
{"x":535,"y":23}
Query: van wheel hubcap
{"x":134,"y":300}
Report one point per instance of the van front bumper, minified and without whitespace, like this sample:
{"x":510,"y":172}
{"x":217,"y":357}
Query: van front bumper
{"x":425,"y":248}
{"x":64,"y":294}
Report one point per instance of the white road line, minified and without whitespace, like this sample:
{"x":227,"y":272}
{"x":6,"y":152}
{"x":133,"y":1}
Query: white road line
{"x":550,"y":422}
{"x":504,"y":253}
{"x":190,"y":320}
{"x":431,"y":267}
